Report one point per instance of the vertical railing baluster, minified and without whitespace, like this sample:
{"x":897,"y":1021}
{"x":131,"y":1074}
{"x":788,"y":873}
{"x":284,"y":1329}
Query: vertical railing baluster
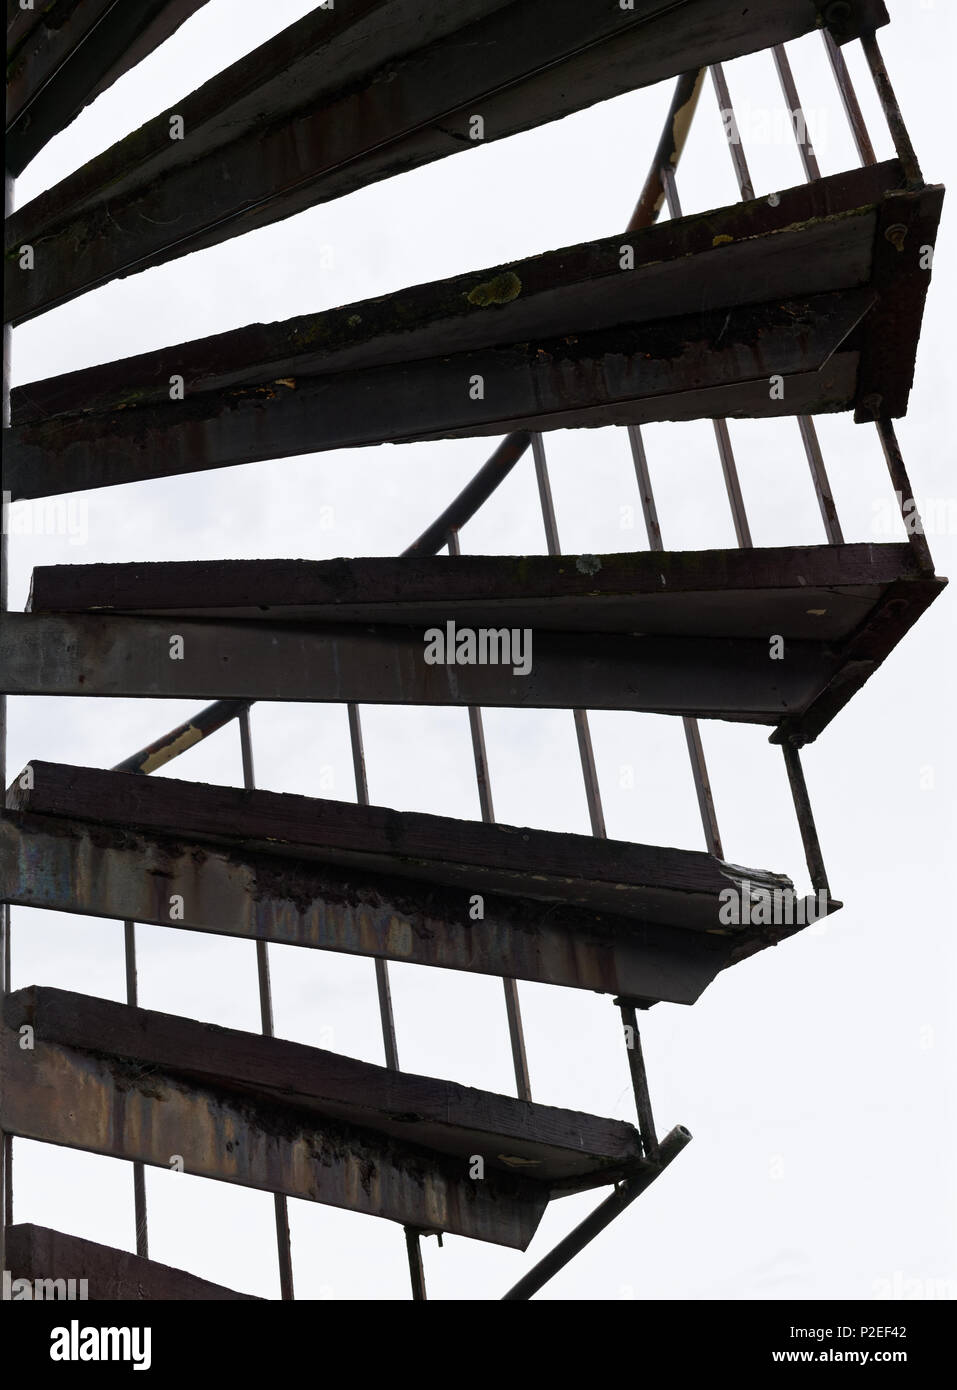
{"x":892,"y":112}
{"x":636,"y":1063}
{"x":729,"y":468}
{"x":139,"y":1168}
{"x":812,"y":170}
{"x":592,"y":793}
{"x":812,"y":447}
{"x":852,"y":107}
{"x":384,"y":991}
{"x":280,"y":1203}
{"x":905,"y":151}
{"x":513,"y":1008}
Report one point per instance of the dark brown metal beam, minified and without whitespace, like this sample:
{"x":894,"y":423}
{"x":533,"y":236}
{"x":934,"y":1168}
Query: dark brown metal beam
{"x":357,"y":93}
{"x":801,"y":592}
{"x":839,"y":610}
{"x":80,"y":866}
{"x":36,"y":1253}
{"x":104,"y":1104}
{"x":559,"y":1148}
{"x":716,"y":308}
{"x":815,"y":239}
{"x":901,"y":271}
{"x":634,"y":375}
{"x":131,"y":657}
{"x":718,"y":285}
{"x":70,"y":53}
{"x":705,"y":652}
{"x":268,"y":1113}
{"x":647,"y":882}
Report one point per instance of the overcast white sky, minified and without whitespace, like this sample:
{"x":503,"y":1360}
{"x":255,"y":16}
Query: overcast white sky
{"x":816,"y":1078}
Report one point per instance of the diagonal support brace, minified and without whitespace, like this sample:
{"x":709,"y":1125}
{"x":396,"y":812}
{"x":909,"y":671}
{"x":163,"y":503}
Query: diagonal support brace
{"x":603,"y":1215}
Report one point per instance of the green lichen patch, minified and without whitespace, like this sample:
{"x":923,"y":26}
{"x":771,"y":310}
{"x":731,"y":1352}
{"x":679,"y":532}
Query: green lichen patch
{"x":502,"y":290}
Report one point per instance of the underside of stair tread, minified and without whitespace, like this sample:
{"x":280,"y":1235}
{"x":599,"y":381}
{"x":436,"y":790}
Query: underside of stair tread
{"x":672,"y":953}
{"x":653,"y":883}
{"x":554,"y":1145}
{"x":265,"y":1113}
{"x":668,"y":632}
{"x":715,"y":310}
{"x":92,"y":1082}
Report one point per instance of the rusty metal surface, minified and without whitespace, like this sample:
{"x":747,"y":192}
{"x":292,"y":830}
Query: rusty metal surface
{"x":346,"y":97}
{"x":80,"y":867}
{"x":36,"y":1252}
{"x":415,"y":1117}
{"x":107,"y":1105}
{"x":653,"y":883}
{"x":557,"y":1146}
